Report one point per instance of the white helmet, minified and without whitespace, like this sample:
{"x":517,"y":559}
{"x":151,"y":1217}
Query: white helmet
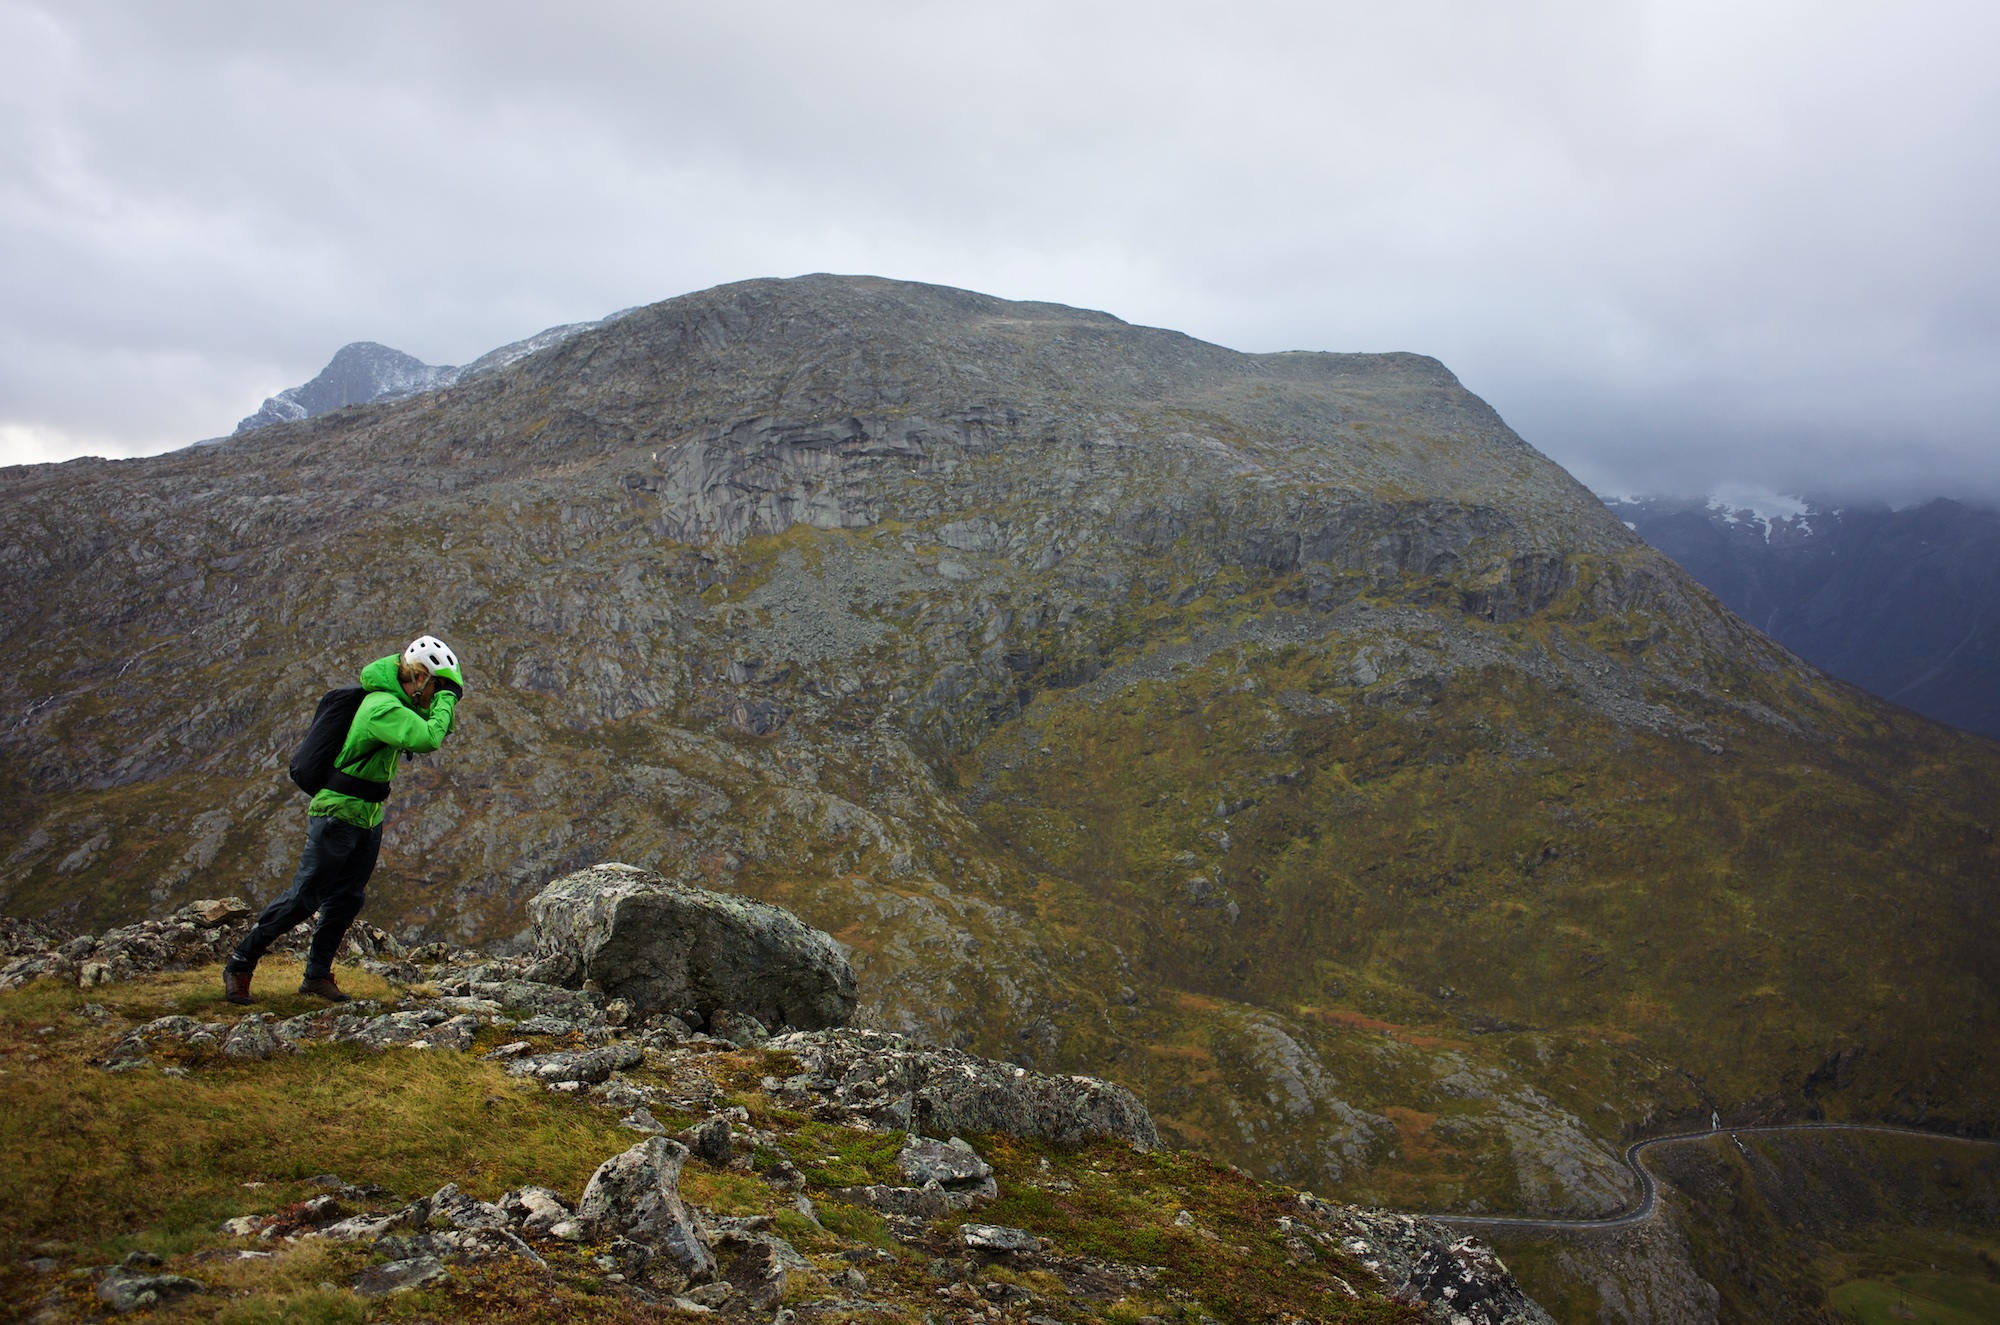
{"x":431,"y":652}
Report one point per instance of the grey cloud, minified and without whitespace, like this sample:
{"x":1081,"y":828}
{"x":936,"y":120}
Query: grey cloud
{"x":1675,"y":244}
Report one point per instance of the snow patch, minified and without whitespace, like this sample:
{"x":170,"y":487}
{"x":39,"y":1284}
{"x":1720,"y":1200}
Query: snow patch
{"x":1764,"y":508}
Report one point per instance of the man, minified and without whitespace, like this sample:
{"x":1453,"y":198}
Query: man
{"x":407,"y":708}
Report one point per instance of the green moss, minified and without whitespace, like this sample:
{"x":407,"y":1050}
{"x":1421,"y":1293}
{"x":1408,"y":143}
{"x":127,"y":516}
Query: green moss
{"x":856,"y":1223}
{"x":832,"y":1156}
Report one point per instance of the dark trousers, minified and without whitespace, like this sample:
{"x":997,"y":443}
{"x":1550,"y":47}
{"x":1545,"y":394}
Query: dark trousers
{"x":332,"y":880}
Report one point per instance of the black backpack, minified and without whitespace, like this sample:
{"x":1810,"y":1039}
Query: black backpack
{"x":313,"y":764}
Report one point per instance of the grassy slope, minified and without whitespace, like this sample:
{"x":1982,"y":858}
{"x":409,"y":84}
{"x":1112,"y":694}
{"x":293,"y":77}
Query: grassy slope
{"x":105,"y":1164}
{"x":1494,"y":856}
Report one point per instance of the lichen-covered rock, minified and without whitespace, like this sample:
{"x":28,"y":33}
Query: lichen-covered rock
{"x":253,"y":1037}
{"x":476,"y":1244}
{"x":534,"y":999}
{"x":130,"y":1289}
{"x":947,"y":1163}
{"x":1421,"y":1260}
{"x":636,"y":1196}
{"x":463,"y":1211}
{"x":884,"y":1080}
{"x":535,"y":1209}
{"x":998,"y":1237}
{"x":738,"y":1027}
{"x":711,"y":1141}
{"x":585,"y":1067}
{"x":427,"y":1028}
{"x":666,"y":947}
{"x":930,"y":1202}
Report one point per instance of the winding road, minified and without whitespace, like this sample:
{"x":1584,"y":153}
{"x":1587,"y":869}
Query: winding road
{"x":1649,"y":1187}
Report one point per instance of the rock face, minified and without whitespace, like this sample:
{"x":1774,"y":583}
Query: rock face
{"x":667,"y":947}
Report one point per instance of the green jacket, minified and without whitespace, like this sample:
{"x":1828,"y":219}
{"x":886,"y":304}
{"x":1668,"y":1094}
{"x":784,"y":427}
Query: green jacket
{"x":385,"y":723}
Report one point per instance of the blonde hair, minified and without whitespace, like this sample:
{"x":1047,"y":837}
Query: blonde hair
{"x":411,"y":674}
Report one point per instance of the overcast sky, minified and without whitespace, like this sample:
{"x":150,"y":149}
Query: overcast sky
{"x":1678,"y":245}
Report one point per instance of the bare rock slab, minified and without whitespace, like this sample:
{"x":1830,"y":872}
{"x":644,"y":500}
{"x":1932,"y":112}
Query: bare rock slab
{"x":665,"y":947}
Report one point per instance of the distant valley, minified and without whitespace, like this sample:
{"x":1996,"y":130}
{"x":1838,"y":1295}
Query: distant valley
{"x":1905,"y":603}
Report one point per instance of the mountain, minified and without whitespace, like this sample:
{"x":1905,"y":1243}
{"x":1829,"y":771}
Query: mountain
{"x":1278,"y":735}
{"x":365,"y":373}
{"x":1905,"y":603}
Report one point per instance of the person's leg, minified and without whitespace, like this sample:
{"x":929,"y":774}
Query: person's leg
{"x":342,"y":902}
{"x":328,"y":844}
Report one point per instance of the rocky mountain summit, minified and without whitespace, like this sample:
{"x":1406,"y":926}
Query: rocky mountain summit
{"x":365,"y":373}
{"x":785,"y":1117}
{"x":1278,"y":736}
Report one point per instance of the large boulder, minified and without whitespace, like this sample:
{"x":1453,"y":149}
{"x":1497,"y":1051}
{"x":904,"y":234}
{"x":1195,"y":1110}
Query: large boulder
{"x":667,"y":947}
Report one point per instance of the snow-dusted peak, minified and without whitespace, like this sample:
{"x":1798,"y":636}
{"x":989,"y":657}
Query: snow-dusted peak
{"x":364,"y":373}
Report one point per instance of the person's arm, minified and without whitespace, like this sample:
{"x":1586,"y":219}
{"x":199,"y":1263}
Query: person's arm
{"x":400,"y":726}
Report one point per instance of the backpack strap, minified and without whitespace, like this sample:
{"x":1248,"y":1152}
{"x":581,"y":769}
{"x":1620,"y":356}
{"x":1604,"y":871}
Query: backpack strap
{"x":361,"y":789}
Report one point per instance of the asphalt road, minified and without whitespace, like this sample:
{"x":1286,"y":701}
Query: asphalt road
{"x":1649,"y":1188}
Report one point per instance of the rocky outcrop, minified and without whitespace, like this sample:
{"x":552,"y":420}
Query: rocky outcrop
{"x":193,"y":934}
{"x":666,"y":947}
{"x":942,"y":1177}
{"x":1420,"y":1260}
{"x":636,"y":1196}
{"x":888,"y":1081}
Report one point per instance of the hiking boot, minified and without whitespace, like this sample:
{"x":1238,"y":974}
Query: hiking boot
{"x":236,"y":986}
{"x":323,"y":987}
